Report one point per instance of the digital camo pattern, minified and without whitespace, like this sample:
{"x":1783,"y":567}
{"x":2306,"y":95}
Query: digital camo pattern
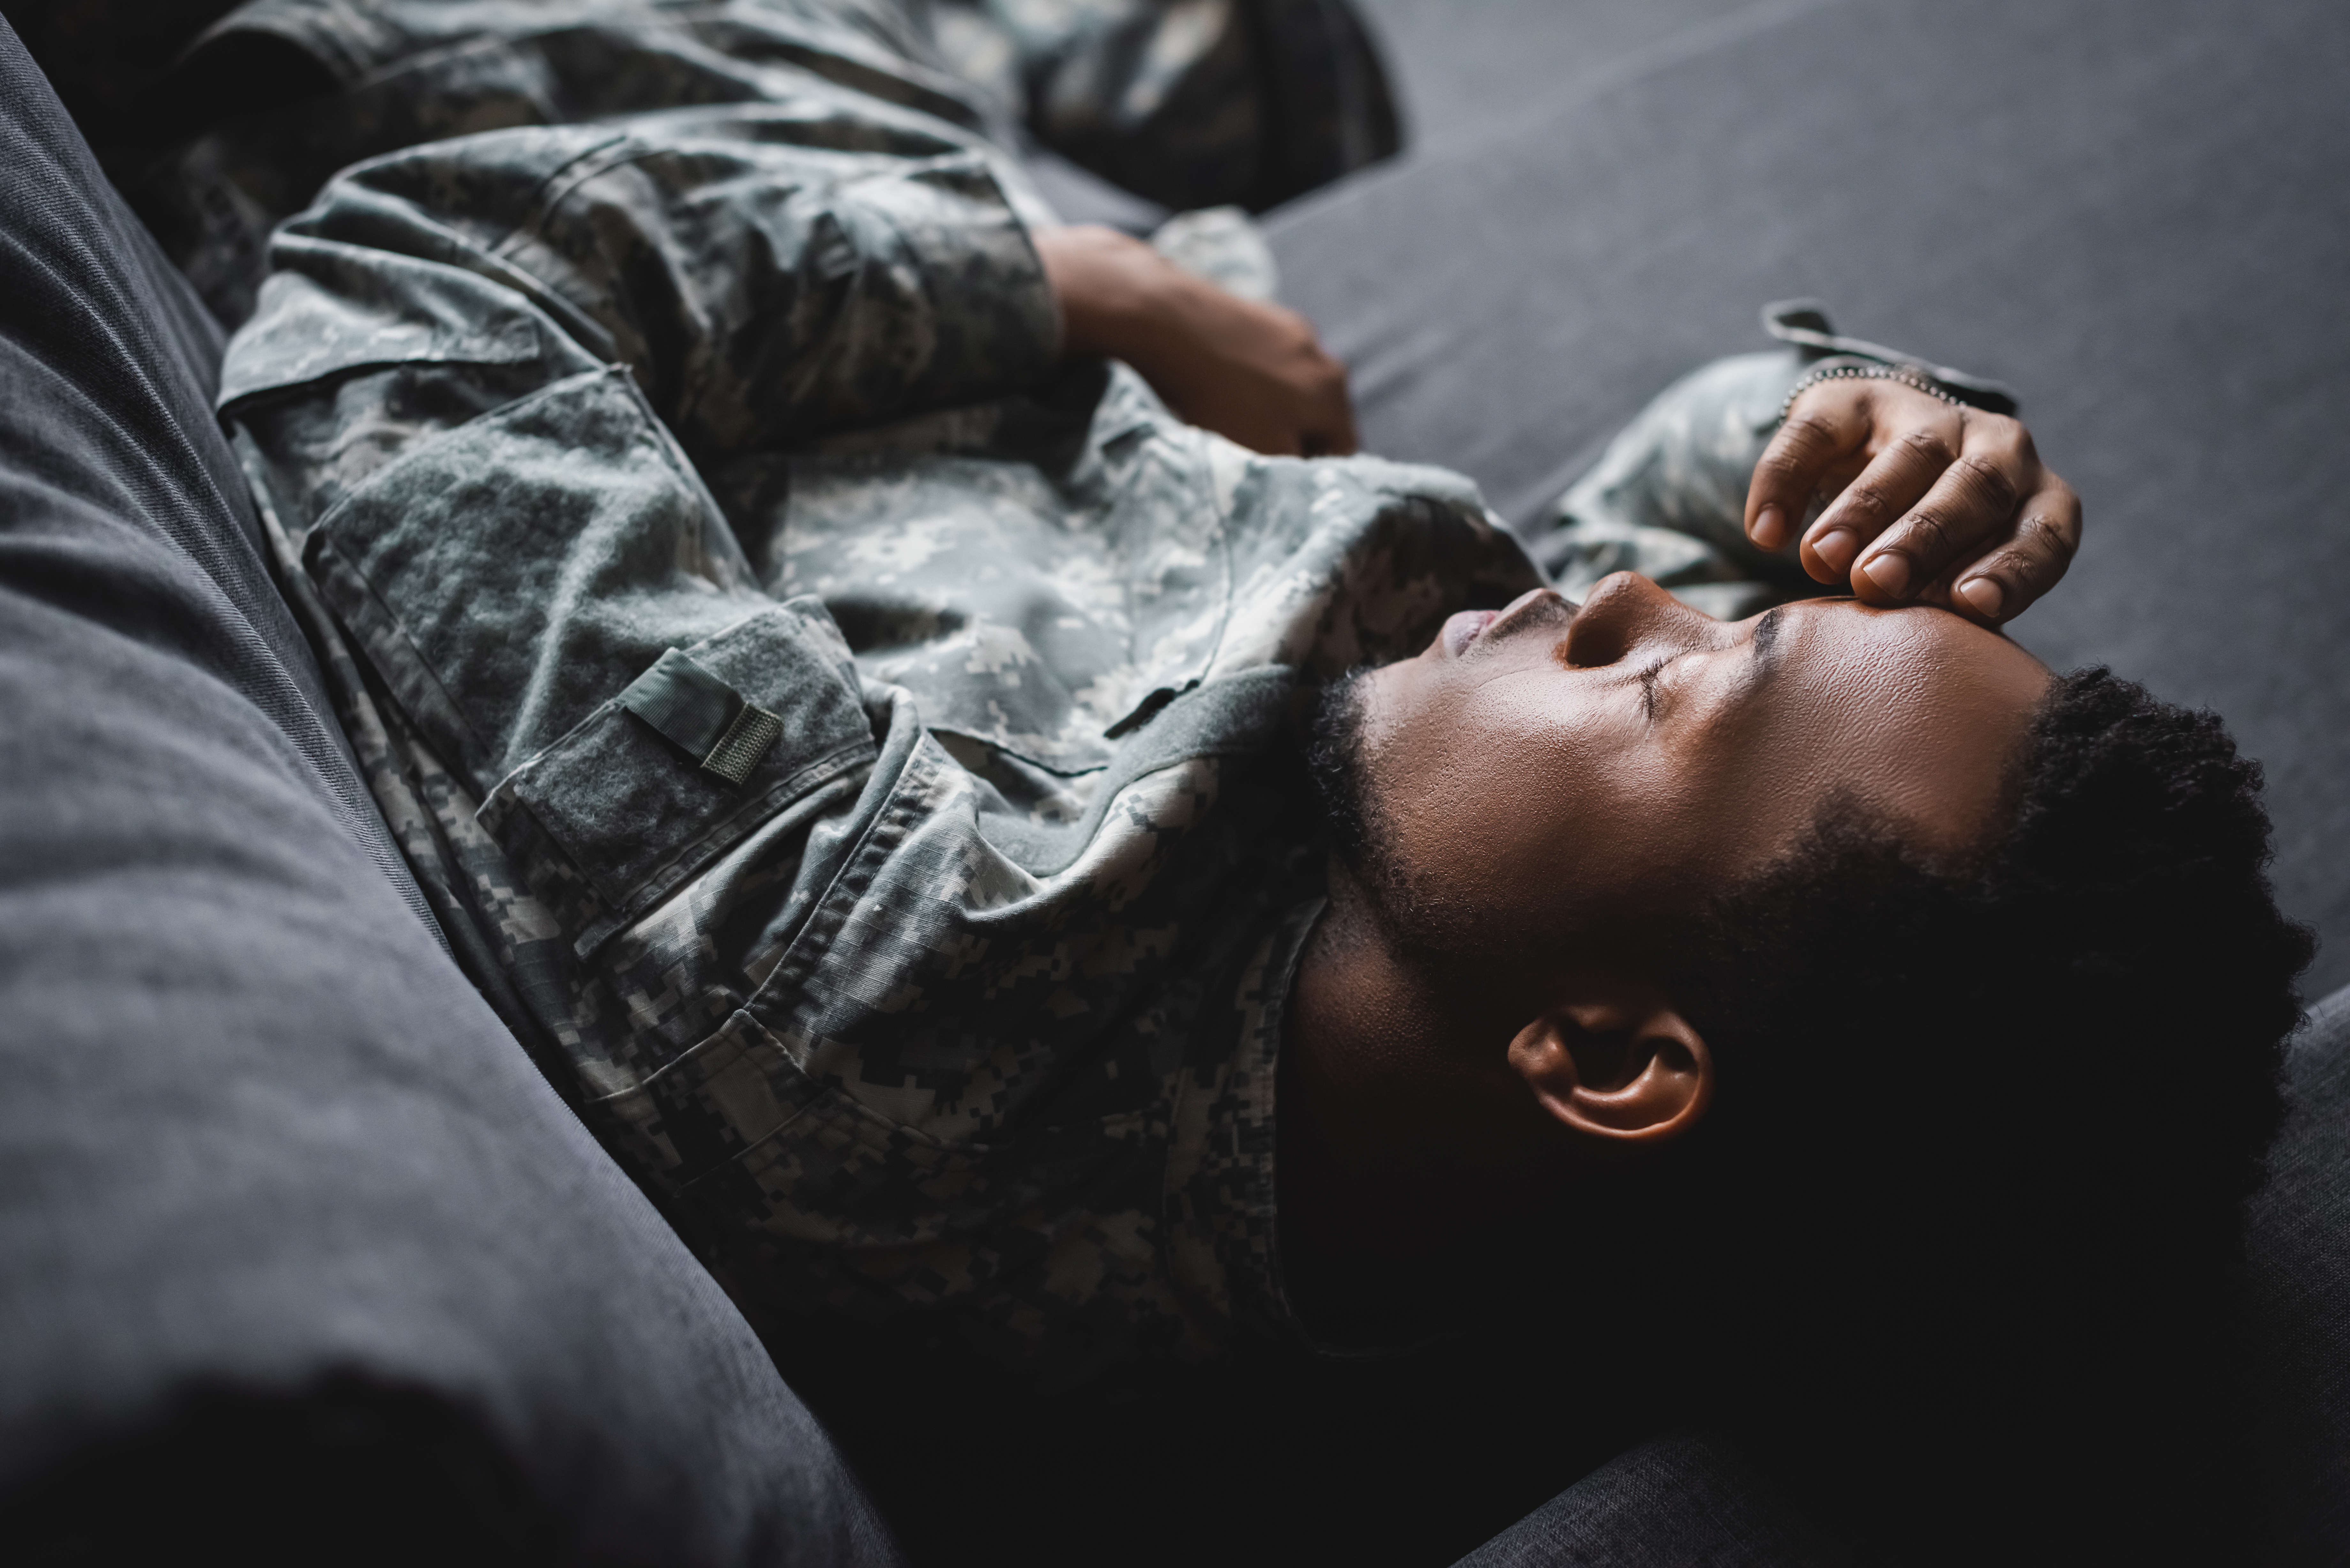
{"x":1190,"y":103}
{"x":410,"y":72}
{"x":1225,"y":246}
{"x":957,"y":1022}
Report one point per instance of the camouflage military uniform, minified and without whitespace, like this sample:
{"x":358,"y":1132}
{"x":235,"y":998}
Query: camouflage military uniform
{"x":1192,"y":103}
{"x":1172,"y":100}
{"x":854,"y":750}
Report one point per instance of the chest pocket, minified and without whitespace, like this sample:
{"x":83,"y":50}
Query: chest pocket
{"x":712,"y":743}
{"x":552,"y":599}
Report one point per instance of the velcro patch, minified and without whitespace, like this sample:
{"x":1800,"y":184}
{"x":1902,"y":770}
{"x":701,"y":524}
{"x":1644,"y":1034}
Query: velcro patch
{"x":703,"y":716}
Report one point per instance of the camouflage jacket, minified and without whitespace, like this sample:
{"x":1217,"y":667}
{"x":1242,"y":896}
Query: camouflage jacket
{"x":853,"y":748}
{"x":1171,"y":101}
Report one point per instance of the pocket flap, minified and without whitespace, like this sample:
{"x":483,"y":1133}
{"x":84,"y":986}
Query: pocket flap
{"x":617,"y":814}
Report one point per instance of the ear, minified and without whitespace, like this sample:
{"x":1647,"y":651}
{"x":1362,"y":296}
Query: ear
{"x":1626,"y":1069}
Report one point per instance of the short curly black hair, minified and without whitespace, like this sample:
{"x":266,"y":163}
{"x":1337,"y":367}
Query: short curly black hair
{"x":2002,"y":1105}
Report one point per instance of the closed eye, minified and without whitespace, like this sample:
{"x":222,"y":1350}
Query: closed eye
{"x":1649,"y":687}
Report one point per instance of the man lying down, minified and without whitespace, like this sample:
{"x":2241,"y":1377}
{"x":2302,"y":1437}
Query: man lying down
{"x":1043,"y":889}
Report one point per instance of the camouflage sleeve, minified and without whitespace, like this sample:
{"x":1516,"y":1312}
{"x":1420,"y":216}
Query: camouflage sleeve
{"x":1667,"y":497}
{"x":766,"y":273}
{"x":1190,"y":105}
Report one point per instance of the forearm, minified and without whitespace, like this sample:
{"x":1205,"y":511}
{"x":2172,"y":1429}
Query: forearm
{"x":1117,"y":296}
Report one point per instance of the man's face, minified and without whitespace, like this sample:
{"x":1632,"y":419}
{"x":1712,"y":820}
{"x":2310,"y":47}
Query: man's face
{"x":1545,"y":772}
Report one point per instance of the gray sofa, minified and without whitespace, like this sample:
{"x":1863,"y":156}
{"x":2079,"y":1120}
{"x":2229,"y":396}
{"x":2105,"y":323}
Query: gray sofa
{"x":301,"y":1257}
{"x":297,"y":1250}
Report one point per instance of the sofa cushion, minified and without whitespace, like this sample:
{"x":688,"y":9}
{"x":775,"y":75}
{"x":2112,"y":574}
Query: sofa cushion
{"x":2298,"y":1250}
{"x":294,"y":1239}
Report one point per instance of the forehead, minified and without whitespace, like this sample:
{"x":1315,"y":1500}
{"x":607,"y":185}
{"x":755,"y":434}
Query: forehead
{"x":1917,"y":710}
{"x":1920,"y":659}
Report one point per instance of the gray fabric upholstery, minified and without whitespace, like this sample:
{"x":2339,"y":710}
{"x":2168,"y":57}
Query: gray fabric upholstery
{"x":258,"y":1131}
{"x":2128,"y":209}
{"x":2300,"y":1255}
{"x":1688,"y":1501}
{"x":274,"y":1182}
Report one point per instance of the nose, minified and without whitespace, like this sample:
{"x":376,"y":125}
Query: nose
{"x":1628,"y":612}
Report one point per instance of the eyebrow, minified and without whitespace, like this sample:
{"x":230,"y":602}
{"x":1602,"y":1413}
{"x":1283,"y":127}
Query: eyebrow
{"x":1767,"y":649}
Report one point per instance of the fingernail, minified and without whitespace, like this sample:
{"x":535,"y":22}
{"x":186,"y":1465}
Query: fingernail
{"x":1770,"y":527}
{"x":1889,"y":570}
{"x":1836,"y":549}
{"x":1982,"y":595}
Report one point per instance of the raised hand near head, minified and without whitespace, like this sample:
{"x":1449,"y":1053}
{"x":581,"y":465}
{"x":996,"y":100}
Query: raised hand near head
{"x":1934,"y":503}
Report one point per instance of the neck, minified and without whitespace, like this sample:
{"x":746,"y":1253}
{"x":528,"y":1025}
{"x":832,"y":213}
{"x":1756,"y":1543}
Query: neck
{"x":1413,"y":1163}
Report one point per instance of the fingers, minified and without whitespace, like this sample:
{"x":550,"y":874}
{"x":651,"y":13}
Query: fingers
{"x":1827,"y":424}
{"x":1330,"y":421}
{"x":1937,"y":504}
{"x":1992,"y":498}
{"x":1898,"y":479}
{"x":2001,"y":584}
{"x":1256,"y":374}
{"x":1301,"y":411}
{"x":1310,"y":385}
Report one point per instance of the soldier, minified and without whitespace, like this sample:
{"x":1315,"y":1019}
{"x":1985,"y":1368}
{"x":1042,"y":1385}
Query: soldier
{"x":842,"y":654}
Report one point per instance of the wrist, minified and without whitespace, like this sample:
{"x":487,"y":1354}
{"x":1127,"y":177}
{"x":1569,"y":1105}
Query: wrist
{"x":1115,"y":292}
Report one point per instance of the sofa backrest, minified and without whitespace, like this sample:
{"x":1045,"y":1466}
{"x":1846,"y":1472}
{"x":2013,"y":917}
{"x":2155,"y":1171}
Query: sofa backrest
{"x":298,"y":1253}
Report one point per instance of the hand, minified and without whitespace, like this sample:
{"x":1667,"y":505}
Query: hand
{"x":1252,"y":372}
{"x":1934,"y":504}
